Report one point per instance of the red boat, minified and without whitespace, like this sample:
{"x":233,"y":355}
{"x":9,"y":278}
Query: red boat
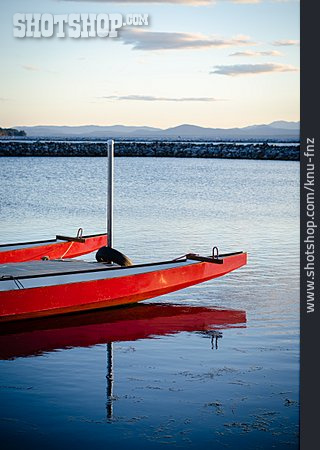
{"x":60,"y":247}
{"x":44,"y":288}
{"x":33,"y":338}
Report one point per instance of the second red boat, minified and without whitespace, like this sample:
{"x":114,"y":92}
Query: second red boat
{"x":60,"y":247}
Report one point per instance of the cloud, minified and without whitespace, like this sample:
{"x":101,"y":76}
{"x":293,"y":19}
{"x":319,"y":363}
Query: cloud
{"x":151,"y":98}
{"x":260,"y":1}
{"x":203,"y":2}
{"x":181,"y":2}
{"x":286,"y":42}
{"x":161,"y":40}
{"x":30,"y":68}
{"x":176,"y":2}
{"x":252,"y":69}
{"x":252,"y":54}
{"x":187,"y":2}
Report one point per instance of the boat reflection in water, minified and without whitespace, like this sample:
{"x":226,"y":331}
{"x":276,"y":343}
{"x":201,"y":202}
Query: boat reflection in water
{"x":141,"y":321}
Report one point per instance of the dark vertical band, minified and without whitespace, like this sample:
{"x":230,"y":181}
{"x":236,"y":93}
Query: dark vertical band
{"x":310,"y":277}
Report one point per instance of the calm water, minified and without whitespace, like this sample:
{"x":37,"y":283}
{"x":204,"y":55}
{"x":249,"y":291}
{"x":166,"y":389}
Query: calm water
{"x":172,"y":389}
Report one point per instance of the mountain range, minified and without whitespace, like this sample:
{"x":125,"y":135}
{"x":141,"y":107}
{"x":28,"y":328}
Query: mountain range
{"x":278,"y":130}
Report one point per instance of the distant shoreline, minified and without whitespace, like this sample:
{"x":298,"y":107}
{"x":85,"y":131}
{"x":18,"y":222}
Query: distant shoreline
{"x":154,"y":148}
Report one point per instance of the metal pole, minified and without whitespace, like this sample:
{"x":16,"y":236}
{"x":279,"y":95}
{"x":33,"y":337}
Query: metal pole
{"x":110,"y":192}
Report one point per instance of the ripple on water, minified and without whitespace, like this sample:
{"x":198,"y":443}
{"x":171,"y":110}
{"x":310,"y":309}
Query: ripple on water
{"x":188,"y":389}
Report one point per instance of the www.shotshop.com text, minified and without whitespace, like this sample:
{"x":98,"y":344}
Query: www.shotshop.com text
{"x":310,"y":230}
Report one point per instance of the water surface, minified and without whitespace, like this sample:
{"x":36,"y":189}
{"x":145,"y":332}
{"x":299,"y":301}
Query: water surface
{"x":173,"y":388}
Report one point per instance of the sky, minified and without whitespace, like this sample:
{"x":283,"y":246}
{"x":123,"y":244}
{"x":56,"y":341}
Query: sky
{"x":212,"y":63}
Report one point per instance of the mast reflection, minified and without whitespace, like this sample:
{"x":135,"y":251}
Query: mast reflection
{"x":140,"y":321}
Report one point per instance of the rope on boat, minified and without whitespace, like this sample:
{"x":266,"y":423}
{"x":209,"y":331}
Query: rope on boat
{"x":67,"y":250}
{"x":215,"y":254}
{"x":181,"y":257}
{"x":16,"y":281}
{"x":79,"y":236}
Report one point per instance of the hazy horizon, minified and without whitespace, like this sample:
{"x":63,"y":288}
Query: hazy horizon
{"x":150,"y":126}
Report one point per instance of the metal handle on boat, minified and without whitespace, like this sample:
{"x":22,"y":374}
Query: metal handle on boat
{"x":215,"y":252}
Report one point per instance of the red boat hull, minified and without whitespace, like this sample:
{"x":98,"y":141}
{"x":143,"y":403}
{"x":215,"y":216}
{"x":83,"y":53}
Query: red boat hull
{"x":135,"y":285}
{"x":54,"y":249}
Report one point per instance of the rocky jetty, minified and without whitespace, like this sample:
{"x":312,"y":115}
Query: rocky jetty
{"x":171,"y":149}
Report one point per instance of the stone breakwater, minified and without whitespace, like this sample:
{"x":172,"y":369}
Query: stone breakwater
{"x":153,"y":148}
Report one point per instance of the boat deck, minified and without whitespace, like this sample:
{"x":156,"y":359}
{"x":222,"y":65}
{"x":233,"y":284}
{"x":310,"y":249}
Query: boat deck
{"x":49,"y":268}
{"x":32,"y":274}
{"x":53,"y":267}
{"x":20,"y":245}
